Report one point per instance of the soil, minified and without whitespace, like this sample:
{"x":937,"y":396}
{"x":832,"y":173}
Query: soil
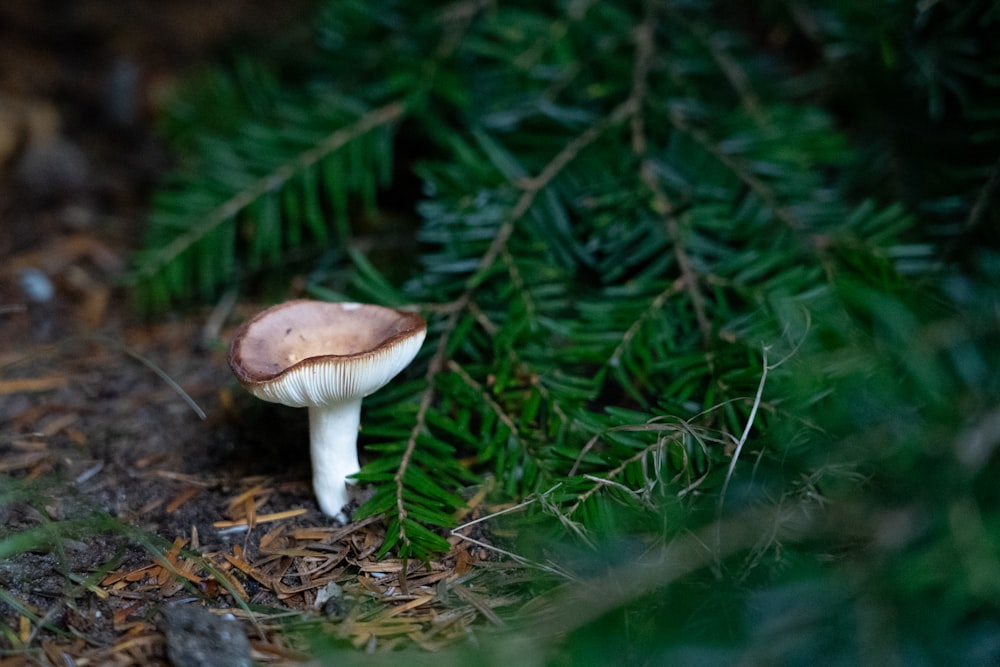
{"x":116,"y":498}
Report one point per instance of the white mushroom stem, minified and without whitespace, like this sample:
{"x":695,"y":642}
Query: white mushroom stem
{"x":333,"y":442}
{"x":326,"y":357}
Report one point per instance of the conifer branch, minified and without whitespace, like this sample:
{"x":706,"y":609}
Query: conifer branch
{"x":530,"y":190}
{"x":227,"y":210}
{"x":487,"y":399}
{"x":748,"y":178}
{"x":645,"y":49}
{"x":654,"y":306}
{"x":609,"y":477}
{"x":729,"y":66}
{"x":518,"y":282}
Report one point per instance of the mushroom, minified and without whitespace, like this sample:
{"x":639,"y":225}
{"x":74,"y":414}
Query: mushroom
{"x":326,"y":357}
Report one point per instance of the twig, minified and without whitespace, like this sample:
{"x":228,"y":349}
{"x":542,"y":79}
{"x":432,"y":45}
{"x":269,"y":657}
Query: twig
{"x":159,"y":372}
{"x":736,"y":454}
{"x":122,"y":347}
{"x":746,"y":429}
{"x":765,"y":367}
{"x":583,"y":453}
{"x":683,"y":426}
{"x":506,"y":510}
{"x":607,"y":480}
{"x":551,"y":569}
{"x":499,"y":411}
{"x":604,"y":481}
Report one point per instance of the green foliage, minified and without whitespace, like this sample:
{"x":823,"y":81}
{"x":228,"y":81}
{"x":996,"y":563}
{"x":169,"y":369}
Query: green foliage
{"x":680,"y":300}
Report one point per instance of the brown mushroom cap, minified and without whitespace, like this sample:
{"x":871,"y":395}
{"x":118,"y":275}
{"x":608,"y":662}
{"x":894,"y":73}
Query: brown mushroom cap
{"x":307,"y":353}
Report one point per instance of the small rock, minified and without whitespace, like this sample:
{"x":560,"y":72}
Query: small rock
{"x":122,"y":93}
{"x":198,"y":638}
{"x":77,"y":217}
{"x":36,"y":285}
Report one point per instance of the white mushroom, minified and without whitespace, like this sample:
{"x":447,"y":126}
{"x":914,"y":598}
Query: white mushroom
{"x":326,"y":357}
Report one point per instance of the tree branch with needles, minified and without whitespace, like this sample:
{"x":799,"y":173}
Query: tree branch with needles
{"x":498,"y":249}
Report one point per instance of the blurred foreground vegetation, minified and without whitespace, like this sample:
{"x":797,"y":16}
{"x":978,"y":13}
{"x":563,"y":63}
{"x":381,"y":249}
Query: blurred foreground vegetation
{"x":712,"y":289}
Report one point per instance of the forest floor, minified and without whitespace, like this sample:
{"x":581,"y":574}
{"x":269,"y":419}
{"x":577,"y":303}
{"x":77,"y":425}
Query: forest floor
{"x":134,"y":530}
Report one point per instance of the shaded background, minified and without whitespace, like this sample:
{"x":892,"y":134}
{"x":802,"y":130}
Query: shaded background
{"x":81,"y":85}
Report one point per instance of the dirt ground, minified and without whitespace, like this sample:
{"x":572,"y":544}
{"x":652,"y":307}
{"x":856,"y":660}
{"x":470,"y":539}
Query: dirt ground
{"x":118,"y":502}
